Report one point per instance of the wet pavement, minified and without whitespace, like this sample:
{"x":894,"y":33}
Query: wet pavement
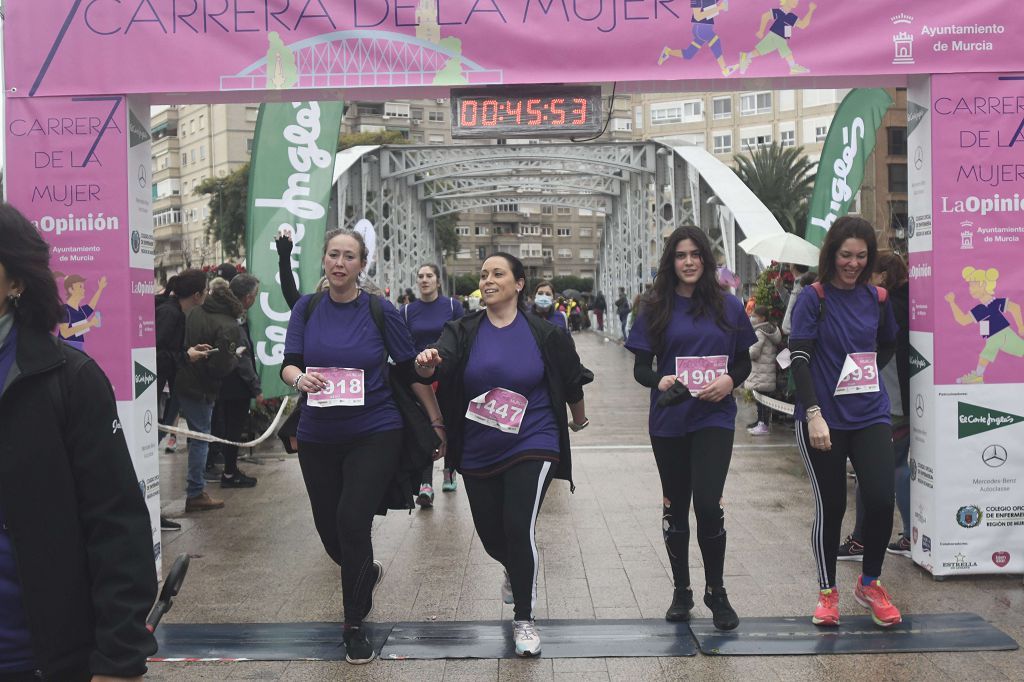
{"x":259,"y":560}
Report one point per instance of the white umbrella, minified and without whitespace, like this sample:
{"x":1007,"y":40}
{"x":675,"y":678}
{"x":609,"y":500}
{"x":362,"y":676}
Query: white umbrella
{"x":782,"y":247}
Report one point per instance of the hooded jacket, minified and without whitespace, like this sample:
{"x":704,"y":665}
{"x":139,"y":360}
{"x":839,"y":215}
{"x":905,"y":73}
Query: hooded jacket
{"x":762,"y":358}
{"x":214,"y":323}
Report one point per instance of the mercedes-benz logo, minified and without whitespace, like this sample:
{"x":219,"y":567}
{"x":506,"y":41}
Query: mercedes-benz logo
{"x":919,"y":157}
{"x":147,"y":421}
{"x":994,"y":456}
{"x":919,"y":405}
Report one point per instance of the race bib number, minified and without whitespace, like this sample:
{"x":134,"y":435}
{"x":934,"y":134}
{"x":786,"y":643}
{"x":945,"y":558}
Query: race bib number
{"x":859,"y":375}
{"x":345,"y":386}
{"x":499,"y":408}
{"x":698,"y":372}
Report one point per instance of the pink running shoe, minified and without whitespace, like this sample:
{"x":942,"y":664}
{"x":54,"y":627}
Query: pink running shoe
{"x":827,"y":610}
{"x":875,"y":598}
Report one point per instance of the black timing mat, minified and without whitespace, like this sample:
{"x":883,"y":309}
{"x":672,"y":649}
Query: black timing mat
{"x":257,"y":641}
{"x":855,"y":635}
{"x":559,"y":639}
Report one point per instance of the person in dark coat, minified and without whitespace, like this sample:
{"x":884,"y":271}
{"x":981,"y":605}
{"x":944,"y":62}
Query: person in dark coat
{"x":77,"y":576}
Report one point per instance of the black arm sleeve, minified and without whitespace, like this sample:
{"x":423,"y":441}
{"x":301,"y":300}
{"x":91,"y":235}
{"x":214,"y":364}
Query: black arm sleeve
{"x":284,"y":270}
{"x":885,"y":353}
{"x":643,"y":371}
{"x":801,"y":351}
{"x":741,"y":367}
{"x":293,"y":360}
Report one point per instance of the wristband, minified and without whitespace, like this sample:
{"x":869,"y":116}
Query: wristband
{"x":438,"y":425}
{"x":811,"y":412}
{"x":579,"y":427}
{"x":295,"y":384}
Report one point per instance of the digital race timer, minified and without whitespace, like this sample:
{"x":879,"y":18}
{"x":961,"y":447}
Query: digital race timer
{"x":526,"y":111}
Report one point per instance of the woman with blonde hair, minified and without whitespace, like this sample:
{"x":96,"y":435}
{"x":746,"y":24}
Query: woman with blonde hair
{"x":992,"y":323}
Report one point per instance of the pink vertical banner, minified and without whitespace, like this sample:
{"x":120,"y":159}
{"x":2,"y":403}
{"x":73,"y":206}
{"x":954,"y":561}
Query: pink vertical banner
{"x":65,"y":172}
{"x":922,"y":284}
{"x":978,"y":215}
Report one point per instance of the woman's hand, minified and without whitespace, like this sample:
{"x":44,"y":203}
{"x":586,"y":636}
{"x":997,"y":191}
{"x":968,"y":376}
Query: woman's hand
{"x":443,"y":435}
{"x":817,"y":430}
{"x":717,"y":390}
{"x":312,"y":382}
{"x":427,"y":361}
{"x":666,"y":383}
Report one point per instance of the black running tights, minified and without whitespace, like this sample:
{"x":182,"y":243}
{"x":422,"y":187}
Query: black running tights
{"x":346,"y":483}
{"x":694,"y":466}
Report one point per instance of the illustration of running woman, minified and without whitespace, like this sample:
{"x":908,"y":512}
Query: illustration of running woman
{"x":80,"y":318}
{"x":989,"y":314}
{"x":777,"y":38}
{"x":703,"y":26}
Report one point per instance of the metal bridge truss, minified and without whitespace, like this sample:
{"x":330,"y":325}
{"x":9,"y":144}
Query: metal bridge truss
{"x":644,"y":190}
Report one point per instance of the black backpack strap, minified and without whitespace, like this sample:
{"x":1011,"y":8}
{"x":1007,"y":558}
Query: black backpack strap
{"x":313,"y":302}
{"x":377,"y":313}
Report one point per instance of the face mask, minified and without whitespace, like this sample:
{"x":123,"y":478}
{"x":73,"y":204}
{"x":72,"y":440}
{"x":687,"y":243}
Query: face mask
{"x":755,"y":320}
{"x":543,"y":301}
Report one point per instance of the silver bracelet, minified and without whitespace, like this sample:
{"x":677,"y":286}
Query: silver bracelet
{"x":295,"y":384}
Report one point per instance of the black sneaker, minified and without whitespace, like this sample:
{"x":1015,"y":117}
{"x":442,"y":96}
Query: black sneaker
{"x":167,"y":524}
{"x":722,"y":613}
{"x":358,"y":649}
{"x":682,"y":602}
{"x":850,"y":550}
{"x":900,"y":546}
{"x":213,"y":472}
{"x":379,"y":567}
{"x":239,"y":480}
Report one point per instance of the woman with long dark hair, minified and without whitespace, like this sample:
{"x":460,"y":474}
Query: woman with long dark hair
{"x":505,"y":377}
{"x":426,"y":317}
{"x":844,"y":331}
{"x":350,"y":429}
{"x":77,"y":578}
{"x":701,"y":337}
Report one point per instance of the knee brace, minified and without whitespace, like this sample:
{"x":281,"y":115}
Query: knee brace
{"x":711,"y":523}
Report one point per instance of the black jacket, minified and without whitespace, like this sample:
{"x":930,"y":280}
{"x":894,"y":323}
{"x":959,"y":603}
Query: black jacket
{"x":170,"y":337}
{"x":75,"y":514}
{"x":216,"y":323}
{"x":565,"y":374}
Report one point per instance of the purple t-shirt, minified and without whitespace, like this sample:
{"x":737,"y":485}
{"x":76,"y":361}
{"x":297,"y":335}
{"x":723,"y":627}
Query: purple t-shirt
{"x":687,"y":335}
{"x":76,"y":315}
{"x":993,"y":312}
{"x":782,"y":23}
{"x":555,"y":317}
{"x":853,"y":323}
{"x":344,"y":335}
{"x":426,"y":320}
{"x":507,"y":358}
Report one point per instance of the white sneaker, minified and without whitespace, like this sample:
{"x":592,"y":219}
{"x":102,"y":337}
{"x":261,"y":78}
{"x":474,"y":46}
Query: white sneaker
{"x":506,"y":591}
{"x":760,"y":430}
{"x":527,"y":639}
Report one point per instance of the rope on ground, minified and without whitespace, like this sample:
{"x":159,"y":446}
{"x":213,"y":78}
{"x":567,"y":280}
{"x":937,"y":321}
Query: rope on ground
{"x":775,"y":404}
{"x":214,"y":439}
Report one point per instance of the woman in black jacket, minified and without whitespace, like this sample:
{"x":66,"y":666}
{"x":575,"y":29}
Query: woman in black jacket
{"x":504,"y":377}
{"x":77,"y":577}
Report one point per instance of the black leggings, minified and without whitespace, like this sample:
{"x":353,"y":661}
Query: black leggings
{"x":870,"y":451}
{"x":505,"y":508}
{"x":346,"y":483}
{"x":694,"y":465}
{"x":764,"y":414}
{"x":236,"y":416}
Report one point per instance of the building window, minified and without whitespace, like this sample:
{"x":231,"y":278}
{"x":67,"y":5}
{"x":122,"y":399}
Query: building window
{"x":787,"y":138}
{"x":755,"y":103}
{"x":530,"y":230}
{"x":202,"y":152}
{"x":897,"y":141}
{"x":481,"y":230}
{"x":184,"y":159}
{"x":530,"y":250}
{"x":396,"y":110}
{"x":564,"y":232}
{"x":755,"y":141}
{"x":192,"y":126}
{"x":192,"y":156}
{"x":464,"y":254}
{"x":586,"y":232}
{"x":547,"y":254}
{"x":202,"y":122}
{"x":547,"y":210}
{"x":545,"y":231}
{"x":587,"y":254}
{"x":723,"y":143}
{"x":663,"y":114}
{"x":462,"y":230}
{"x":248,"y":145}
{"x":435,"y":116}
{"x":564,"y":210}
{"x":898,"y":216}
{"x":820,"y":133}
{"x":898,"y":178}
{"x":565,"y":253}
{"x":436,"y":139}
{"x":622,"y":125}
{"x":506,"y":207}
{"x":722,"y":107}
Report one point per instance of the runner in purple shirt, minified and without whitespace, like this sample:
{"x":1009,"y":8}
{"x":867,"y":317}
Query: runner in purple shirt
{"x":505,"y":377}
{"x":348,"y":453}
{"x":701,"y":338}
{"x":425,"y":317}
{"x":839,"y":341}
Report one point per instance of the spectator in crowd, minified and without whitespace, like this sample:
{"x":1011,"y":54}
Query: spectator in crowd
{"x":763,"y":376}
{"x":599,"y":308}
